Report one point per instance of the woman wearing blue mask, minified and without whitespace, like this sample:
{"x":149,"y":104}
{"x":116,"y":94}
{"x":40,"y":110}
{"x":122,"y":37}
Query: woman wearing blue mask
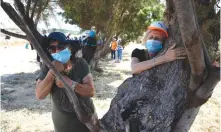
{"x":155,"y":37}
{"x":76,"y":73}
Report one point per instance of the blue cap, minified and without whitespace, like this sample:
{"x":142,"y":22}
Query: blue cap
{"x":59,"y":36}
{"x":160,"y":26}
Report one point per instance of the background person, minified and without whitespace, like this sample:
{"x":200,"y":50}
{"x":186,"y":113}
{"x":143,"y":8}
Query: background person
{"x":113,"y":48}
{"x":119,"y":52}
{"x":90,"y":42}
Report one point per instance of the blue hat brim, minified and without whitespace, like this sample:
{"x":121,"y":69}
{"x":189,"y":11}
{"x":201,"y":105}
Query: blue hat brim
{"x":71,"y":42}
{"x":74,"y":44}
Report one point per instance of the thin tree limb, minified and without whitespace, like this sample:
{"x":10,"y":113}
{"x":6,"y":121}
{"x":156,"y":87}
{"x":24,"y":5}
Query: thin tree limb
{"x":13,"y":34}
{"x":28,"y":7}
{"x":33,"y":9}
{"x":40,"y":10}
{"x":12,"y":14}
{"x":38,"y":15}
{"x":20,"y":7}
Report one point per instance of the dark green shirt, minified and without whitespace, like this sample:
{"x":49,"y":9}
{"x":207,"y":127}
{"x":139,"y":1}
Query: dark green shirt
{"x":63,"y":114}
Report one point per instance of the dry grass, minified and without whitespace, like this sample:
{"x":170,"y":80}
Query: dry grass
{"x":22,"y":112}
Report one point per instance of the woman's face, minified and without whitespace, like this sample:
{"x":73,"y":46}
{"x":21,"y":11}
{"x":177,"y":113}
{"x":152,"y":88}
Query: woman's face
{"x":155,"y":35}
{"x":55,"y":47}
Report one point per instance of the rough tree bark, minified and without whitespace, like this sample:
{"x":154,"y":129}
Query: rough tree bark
{"x":150,"y":101}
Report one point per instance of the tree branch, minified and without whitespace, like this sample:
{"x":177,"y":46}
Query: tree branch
{"x":28,"y":21}
{"x":192,"y":40}
{"x":42,"y":7}
{"x":12,"y":14}
{"x":20,"y":7}
{"x":38,"y":15}
{"x":14,"y":34}
{"x":28,"y":7}
{"x":33,"y":10}
{"x":205,"y":91}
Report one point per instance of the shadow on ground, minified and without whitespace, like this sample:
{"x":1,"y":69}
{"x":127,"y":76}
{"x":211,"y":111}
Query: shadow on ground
{"x":107,"y":82}
{"x":18,"y":92}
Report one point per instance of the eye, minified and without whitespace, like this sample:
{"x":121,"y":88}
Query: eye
{"x":157,"y":38}
{"x":151,"y":37}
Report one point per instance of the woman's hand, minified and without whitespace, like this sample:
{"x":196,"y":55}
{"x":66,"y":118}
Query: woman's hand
{"x":60,"y":84}
{"x":174,"y":53}
{"x":58,"y":66}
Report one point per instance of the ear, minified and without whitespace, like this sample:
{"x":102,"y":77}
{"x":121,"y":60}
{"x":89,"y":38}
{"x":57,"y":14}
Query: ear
{"x":164,"y":40}
{"x":145,"y":36}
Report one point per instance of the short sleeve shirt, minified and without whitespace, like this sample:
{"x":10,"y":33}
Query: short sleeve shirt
{"x":114,"y":45}
{"x":59,"y":98}
{"x":140,"y":54}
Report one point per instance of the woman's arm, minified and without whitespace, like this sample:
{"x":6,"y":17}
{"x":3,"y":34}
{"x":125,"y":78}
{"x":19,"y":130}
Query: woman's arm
{"x":137,"y":66}
{"x":87,"y":88}
{"x":43,"y":87}
{"x":171,"y":55}
{"x":84,"y":89}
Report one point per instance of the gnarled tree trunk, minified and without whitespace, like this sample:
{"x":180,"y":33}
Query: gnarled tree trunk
{"x":150,"y":101}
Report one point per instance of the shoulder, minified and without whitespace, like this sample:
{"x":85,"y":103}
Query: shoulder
{"x":81,"y":62}
{"x":81,"y":68}
{"x":137,"y":52}
{"x":43,"y":71}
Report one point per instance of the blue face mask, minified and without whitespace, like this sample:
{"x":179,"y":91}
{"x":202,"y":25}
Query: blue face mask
{"x":153,"y":46}
{"x":62,"y":56}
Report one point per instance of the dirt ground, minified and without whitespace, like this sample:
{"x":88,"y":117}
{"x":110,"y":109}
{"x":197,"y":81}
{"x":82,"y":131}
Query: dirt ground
{"x":22,"y":112}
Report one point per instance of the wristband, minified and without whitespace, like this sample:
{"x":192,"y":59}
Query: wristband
{"x":73,"y":85}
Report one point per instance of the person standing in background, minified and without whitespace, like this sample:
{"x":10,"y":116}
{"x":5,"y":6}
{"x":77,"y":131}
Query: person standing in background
{"x":90,"y":46}
{"x":6,"y":41}
{"x":113,"y":48}
{"x":119,"y":52}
